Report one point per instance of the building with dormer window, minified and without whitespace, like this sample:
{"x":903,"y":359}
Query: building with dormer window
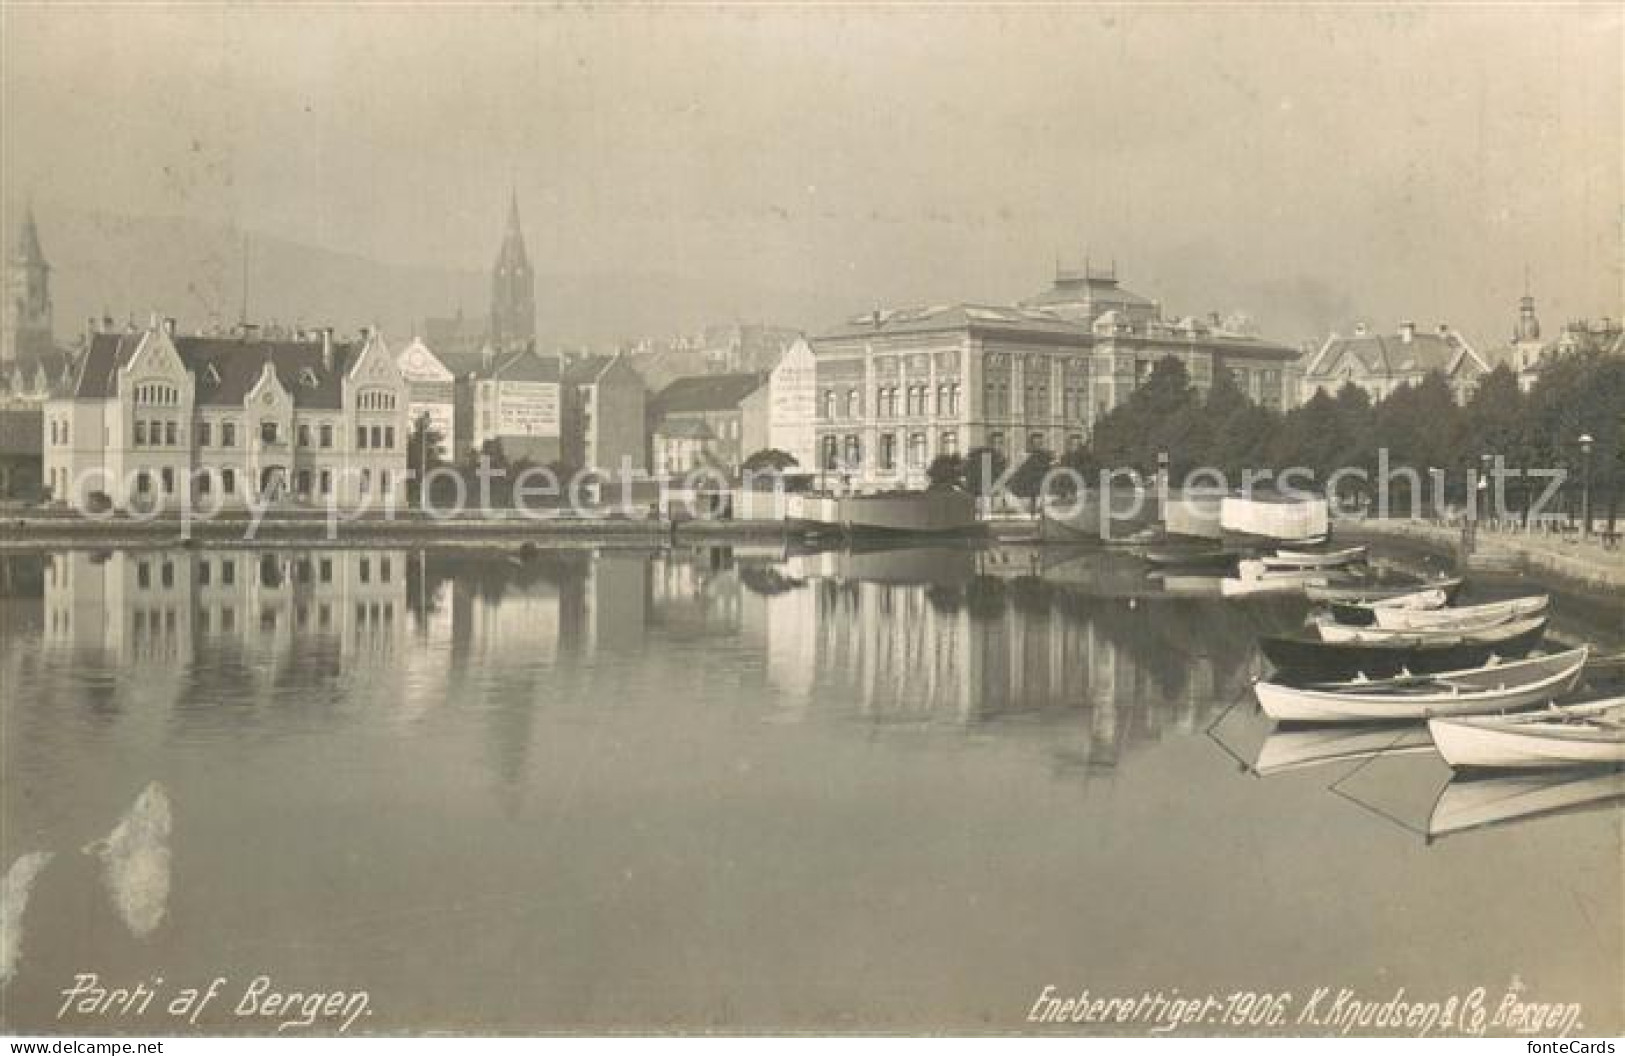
{"x":154,"y":418}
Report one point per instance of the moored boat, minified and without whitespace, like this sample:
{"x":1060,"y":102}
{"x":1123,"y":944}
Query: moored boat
{"x":1362,"y":612}
{"x":1590,"y":734}
{"x":1467,"y":626}
{"x":1194,"y":559}
{"x":1466,"y":615}
{"x":1301,"y":559}
{"x":1415,"y":653}
{"x":934,"y":510}
{"x":1481,"y":689}
{"x":1090,"y":516}
{"x":1419,"y":595}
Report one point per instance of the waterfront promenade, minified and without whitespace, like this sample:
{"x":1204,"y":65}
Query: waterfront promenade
{"x":1583,"y":559}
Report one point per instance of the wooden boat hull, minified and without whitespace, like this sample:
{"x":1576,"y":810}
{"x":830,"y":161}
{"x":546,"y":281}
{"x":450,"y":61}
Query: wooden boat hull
{"x":1085,"y":518}
{"x":1533,"y":742}
{"x":1377,"y":634}
{"x":1408,"y":595}
{"x":1295,"y":559}
{"x":1394,"y":619}
{"x":1297,"y":655}
{"x":1363,"y":613}
{"x":1526,"y":685}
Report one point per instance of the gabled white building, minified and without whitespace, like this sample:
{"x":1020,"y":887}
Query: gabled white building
{"x":154,"y":418}
{"x":431,"y":392}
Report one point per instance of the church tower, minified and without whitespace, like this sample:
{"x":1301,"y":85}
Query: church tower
{"x":27,"y":323}
{"x":513,"y":288}
{"x":1528,"y":325}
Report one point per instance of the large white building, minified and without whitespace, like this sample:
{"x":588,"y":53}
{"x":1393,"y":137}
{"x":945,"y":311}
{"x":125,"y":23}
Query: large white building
{"x":430,"y":392}
{"x":154,"y":418}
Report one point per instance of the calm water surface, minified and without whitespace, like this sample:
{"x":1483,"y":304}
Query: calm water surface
{"x":733,"y":789}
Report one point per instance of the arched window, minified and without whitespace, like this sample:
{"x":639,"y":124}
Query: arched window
{"x":854,"y":403}
{"x":829,"y":404}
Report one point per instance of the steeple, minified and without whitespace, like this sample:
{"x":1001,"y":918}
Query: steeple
{"x":1528,"y":325}
{"x":27,"y":252}
{"x":513,"y":287}
{"x":27,"y":323}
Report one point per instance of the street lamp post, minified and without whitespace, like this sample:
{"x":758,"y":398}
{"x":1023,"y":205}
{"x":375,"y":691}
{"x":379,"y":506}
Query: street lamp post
{"x":1585,"y":483}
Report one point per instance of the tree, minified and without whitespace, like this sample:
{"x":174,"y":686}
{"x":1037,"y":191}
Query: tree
{"x":983,"y":467}
{"x":769,"y":460}
{"x":422,"y":452}
{"x":946,"y":470}
{"x":1028,"y":479}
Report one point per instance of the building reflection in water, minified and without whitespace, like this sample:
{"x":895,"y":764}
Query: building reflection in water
{"x":898,"y":636}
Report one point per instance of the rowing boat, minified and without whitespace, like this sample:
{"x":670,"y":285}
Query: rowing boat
{"x":1578,"y":735}
{"x":1415,"y":653}
{"x":1401,"y":595}
{"x":1300,"y":559}
{"x":1464,"y":616}
{"x":1479,"y":690}
{"x":1468,"y":626}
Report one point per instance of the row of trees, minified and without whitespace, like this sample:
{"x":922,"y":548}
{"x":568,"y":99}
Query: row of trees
{"x":1167,"y":425}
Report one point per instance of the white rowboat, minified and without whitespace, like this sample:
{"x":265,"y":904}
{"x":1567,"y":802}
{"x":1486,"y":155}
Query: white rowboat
{"x":1467,"y":615}
{"x":1331,"y":631}
{"x":1473,"y":691}
{"x":1579,"y":735}
{"x":1299,"y":559}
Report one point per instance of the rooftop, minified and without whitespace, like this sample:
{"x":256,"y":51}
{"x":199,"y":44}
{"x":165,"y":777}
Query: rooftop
{"x":706,"y":392}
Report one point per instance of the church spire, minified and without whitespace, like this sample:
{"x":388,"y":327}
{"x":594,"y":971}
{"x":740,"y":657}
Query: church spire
{"x":28,"y":252}
{"x":513,"y":287}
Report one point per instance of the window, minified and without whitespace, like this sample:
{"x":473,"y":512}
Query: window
{"x":166,"y":573}
{"x":831,"y":453}
{"x":201,"y":483}
{"x":360,"y":436}
{"x":916,"y":450}
{"x":228,"y":481}
{"x":325,"y":570}
{"x":389,"y":437}
{"x":268,"y":432}
{"x":366,"y":481}
{"x":304,"y":435}
{"x":228,"y":434}
{"x":383,"y":570}
{"x":228,"y":572}
{"x":383,"y":481}
{"x":140,"y":433}
{"x":303,"y":481}
{"x":829,"y":403}
{"x":949,"y":443}
{"x":365,"y":570}
{"x":1036,"y":442}
{"x":377,"y":437}
{"x":888,"y":451}
{"x":204,"y":434}
{"x":143,"y":575}
{"x":854,"y":452}
{"x":143,"y":482}
{"x":944,"y":406}
{"x":854,"y":403}
{"x":995,"y":440}
{"x":168,"y":476}
{"x":169,"y":434}
{"x":327,"y":435}
{"x":205,"y":572}
{"x":54,"y":433}
{"x":327,"y":482}
{"x":1074,"y":442}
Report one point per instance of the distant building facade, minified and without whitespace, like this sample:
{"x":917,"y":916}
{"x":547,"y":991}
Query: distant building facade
{"x":605,"y":415}
{"x":1528,"y":355}
{"x":898,"y":387}
{"x":430,"y":393}
{"x":154,"y":418}
{"x":792,"y":396}
{"x":1381,"y":363}
{"x":714,"y":421}
{"x":511,"y":398}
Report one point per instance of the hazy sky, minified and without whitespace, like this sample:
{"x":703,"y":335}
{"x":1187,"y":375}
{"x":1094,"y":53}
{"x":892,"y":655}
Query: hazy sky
{"x":1388,"y":162}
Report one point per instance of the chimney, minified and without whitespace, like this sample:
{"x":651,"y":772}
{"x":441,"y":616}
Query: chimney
{"x":1407,"y":331}
{"x":1444,"y":329}
{"x":327,"y":348}
{"x":1359,"y":330}
{"x":169,"y":326}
